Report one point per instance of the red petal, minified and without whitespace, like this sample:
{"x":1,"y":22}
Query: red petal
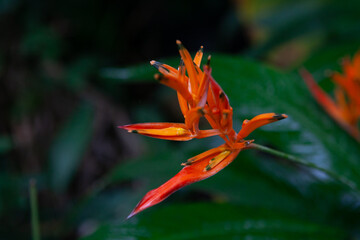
{"x":189,"y":174}
{"x":202,"y":92}
{"x":328,"y":104}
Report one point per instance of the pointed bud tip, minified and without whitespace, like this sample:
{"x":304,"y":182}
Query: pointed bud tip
{"x":125,"y":127}
{"x":207,"y":168}
{"x":208,"y":60}
{"x":130,"y":215}
{"x":159,"y":77}
{"x":186,"y":164}
{"x":280,"y":116}
{"x":157,"y":64}
{"x":222,"y":95}
{"x":179,"y":43}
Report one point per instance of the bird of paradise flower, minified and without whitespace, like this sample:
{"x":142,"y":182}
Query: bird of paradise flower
{"x":199,"y":95}
{"x":345,"y":109}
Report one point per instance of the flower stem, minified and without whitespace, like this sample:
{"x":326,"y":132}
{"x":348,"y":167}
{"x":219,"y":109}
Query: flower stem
{"x":34,"y":210}
{"x":303,"y":162}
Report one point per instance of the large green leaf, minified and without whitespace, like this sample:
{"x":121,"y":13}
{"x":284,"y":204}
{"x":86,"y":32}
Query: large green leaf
{"x":257,"y":181}
{"x":208,"y":221}
{"x":69,"y":145}
{"x":253,"y":89}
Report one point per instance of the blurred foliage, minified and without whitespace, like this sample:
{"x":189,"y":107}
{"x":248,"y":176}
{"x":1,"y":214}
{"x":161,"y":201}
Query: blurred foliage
{"x":68,"y":147}
{"x":71,"y":71}
{"x":288,"y":32}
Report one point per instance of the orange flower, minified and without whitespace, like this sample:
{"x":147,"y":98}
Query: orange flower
{"x":199,"y":96}
{"x":345,"y":110}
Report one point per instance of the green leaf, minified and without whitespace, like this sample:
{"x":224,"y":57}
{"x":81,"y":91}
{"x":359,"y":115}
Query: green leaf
{"x":69,"y":145}
{"x":209,"y":221}
{"x":257,"y":180}
{"x":254,"y":89}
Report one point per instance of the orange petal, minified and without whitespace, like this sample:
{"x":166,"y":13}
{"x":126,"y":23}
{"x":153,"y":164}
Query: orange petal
{"x":202,"y":92}
{"x":208,"y":133}
{"x":189,"y":174}
{"x":164,"y":68}
{"x":192,"y":118}
{"x":198,"y":56}
{"x":173,"y":78}
{"x":349,"y":84}
{"x":174,"y":83}
{"x":168,"y":131}
{"x":258,"y":121}
{"x":184,"y":106}
{"x":208,"y":154}
{"x":216,"y":160}
{"x":186,"y":57}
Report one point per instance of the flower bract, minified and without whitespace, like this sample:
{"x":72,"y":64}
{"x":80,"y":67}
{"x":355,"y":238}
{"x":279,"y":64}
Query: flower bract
{"x":345,"y":108}
{"x":199,"y":96}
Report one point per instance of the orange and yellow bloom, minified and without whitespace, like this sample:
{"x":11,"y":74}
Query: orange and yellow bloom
{"x":199,"y":96}
{"x":345,"y":109}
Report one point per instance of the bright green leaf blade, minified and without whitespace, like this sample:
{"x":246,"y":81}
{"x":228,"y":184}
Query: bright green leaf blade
{"x":69,"y":145}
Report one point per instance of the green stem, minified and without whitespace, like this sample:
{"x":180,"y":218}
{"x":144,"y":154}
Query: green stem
{"x":34,"y":210}
{"x":300,"y":161}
